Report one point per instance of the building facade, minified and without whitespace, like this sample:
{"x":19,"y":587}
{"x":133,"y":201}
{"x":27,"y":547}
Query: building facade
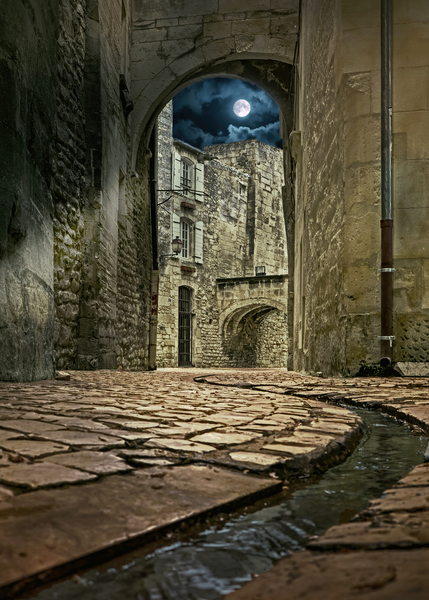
{"x":225,"y":204}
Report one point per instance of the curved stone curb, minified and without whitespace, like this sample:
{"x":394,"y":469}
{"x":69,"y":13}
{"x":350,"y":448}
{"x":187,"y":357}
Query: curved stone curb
{"x":382,"y":553}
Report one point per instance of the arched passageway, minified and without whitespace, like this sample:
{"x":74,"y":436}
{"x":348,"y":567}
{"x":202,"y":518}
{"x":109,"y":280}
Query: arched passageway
{"x":256,"y":336}
{"x":275,"y":78}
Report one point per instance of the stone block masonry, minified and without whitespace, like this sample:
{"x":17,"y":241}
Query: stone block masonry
{"x":102,"y":215}
{"x":68,"y":182}
{"x":337,"y":284}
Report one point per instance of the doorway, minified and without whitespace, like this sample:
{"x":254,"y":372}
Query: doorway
{"x":185,"y":326}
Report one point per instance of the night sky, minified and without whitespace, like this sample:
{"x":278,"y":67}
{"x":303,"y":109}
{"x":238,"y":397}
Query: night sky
{"x":203,"y":115}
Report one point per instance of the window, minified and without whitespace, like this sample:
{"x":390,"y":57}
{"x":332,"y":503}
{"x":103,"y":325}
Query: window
{"x":185,"y":236}
{"x":186,"y":177}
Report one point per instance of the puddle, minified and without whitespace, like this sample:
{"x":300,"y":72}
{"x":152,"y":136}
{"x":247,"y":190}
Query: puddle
{"x":221,"y":559}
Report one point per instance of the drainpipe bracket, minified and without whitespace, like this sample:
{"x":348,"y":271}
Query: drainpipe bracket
{"x":389,"y":338}
{"x":387,"y":270}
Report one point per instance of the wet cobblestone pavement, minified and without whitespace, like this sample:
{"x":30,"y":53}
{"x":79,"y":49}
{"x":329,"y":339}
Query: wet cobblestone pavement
{"x":108,"y":457}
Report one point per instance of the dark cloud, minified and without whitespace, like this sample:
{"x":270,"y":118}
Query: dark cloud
{"x":203,"y":114}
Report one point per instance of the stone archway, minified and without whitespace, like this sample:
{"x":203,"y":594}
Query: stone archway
{"x":176,"y":43}
{"x":213,"y":39}
{"x":255,"y":335}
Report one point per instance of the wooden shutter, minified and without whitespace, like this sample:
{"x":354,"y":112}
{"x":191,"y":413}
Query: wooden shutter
{"x":199,"y":238}
{"x":177,"y":166}
{"x":176,"y":226}
{"x":199,"y":182}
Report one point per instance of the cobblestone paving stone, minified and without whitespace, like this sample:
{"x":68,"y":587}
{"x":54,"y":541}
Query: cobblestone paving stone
{"x":166,"y":410}
{"x":108,"y":426}
{"x":382,"y":554}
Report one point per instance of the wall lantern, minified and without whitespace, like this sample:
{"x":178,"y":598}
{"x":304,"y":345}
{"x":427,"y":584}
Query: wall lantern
{"x":259,"y":270}
{"x":176,"y":246}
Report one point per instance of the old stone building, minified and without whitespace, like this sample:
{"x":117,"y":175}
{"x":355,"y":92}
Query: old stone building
{"x":225,"y":204}
{"x":83,"y":83}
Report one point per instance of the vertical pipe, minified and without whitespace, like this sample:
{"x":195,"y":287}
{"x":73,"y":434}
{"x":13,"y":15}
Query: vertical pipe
{"x":386,"y":186}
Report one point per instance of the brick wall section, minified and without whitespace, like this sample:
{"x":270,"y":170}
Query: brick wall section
{"x":68,"y":182}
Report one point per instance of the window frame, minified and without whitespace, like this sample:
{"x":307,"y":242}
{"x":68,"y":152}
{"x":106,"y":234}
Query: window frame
{"x":186,"y":180}
{"x":186,"y":237}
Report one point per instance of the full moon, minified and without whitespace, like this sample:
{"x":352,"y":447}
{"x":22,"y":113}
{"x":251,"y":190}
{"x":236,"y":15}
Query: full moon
{"x":241,"y":108}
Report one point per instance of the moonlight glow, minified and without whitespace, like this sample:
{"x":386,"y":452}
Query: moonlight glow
{"x":241,"y":108}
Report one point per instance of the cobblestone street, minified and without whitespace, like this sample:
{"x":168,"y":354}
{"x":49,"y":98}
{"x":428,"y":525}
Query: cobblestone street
{"x":97,"y":461}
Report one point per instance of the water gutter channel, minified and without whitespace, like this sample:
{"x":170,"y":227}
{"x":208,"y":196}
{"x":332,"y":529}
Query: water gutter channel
{"x":183,"y":538}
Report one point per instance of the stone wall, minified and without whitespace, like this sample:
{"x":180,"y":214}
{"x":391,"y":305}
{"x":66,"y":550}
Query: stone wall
{"x":261,"y":340}
{"x":319,"y":335}
{"x":68,"y":180}
{"x":264,"y":217}
{"x":28,"y":71}
{"x":337,"y":285}
{"x":134,"y":268}
{"x":102,"y":238}
{"x":411,"y":180}
{"x":102,"y":225}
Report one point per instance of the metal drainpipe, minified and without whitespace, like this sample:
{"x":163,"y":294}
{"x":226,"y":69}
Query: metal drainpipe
{"x":153,"y":326}
{"x":386,"y":338}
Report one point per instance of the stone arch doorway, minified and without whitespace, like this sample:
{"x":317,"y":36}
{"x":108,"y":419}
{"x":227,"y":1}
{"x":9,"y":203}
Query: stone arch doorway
{"x":256,"y":336}
{"x":178,"y":43}
{"x":275,"y":78}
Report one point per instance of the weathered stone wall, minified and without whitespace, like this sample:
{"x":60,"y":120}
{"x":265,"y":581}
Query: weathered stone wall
{"x":411,"y":179}
{"x":272,"y":340}
{"x":242,"y":188}
{"x":337,"y":285}
{"x":28,"y":72}
{"x":134,"y":268}
{"x":68,"y":181}
{"x":102,"y":224}
{"x":260,"y":340}
{"x":264,"y":218}
{"x":319,"y":336}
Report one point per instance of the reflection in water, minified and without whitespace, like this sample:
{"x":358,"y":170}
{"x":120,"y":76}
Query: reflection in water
{"x":218,"y":561}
